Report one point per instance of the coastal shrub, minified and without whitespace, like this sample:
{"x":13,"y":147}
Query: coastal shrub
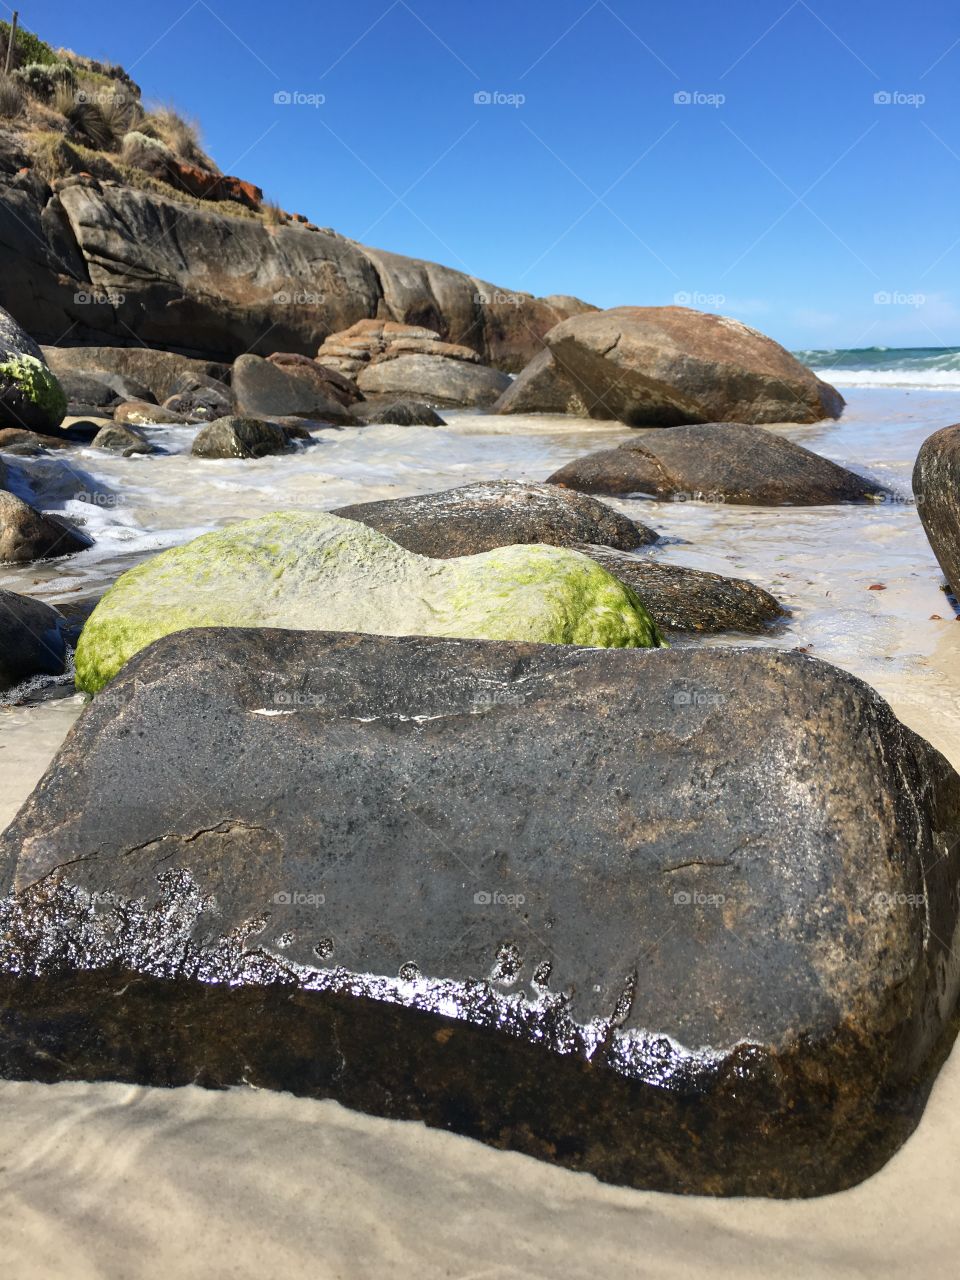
{"x":11,"y":97}
{"x":96,"y":117}
{"x":180,"y":135}
{"x":27,"y":47}
{"x":273,"y":214}
{"x":42,"y":81}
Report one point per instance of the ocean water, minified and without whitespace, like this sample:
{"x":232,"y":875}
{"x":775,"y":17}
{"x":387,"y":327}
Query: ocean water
{"x":926,"y":368}
{"x":100,"y":1180}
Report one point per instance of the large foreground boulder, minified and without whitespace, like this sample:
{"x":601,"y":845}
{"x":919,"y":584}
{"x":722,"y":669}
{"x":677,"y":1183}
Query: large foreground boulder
{"x":717,"y":462}
{"x":30,"y":395}
{"x":683,"y":919}
{"x":936,"y":487}
{"x":663,"y":366}
{"x":497,"y":513}
{"x":33,"y":639}
{"x":325,"y":573}
{"x":27,"y":534}
{"x":434,"y":378}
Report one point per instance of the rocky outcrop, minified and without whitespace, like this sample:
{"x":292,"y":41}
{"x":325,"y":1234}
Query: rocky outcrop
{"x":936,"y":487}
{"x":103,"y":263}
{"x":239,"y":438}
{"x":30,"y":395}
{"x":328,"y":574}
{"x":160,"y":372}
{"x":713,"y":949}
{"x":665,"y":366}
{"x":33,"y":639}
{"x":27,"y":534}
{"x":717,"y":462}
{"x":497,"y":513}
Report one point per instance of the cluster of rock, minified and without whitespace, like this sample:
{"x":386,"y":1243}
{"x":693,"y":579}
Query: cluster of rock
{"x":386,"y":358}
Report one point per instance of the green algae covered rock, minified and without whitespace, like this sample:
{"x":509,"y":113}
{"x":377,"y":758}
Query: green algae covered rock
{"x":30,"y":395}
{"x":323,"y":573}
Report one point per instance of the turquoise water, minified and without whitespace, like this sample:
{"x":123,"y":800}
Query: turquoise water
{"x":932,"y":368}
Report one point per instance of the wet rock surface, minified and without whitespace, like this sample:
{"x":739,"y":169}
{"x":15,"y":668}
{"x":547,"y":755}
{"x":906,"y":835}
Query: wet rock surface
{"x":664,"y":366}
{"x":717,"y":462}
{"x":400,"y":413}
{"x":263,"y":389}
{"x":498,"y":513}
{"x":936,"y":487}
{"x":33,"y":639}
{"x":240,"y":438}
{"x":710,"y":953}
{"x":682,"y":599}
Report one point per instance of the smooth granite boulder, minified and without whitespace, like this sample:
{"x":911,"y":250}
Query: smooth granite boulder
{"x":398,"y":413}
{"x":936,"y":487}
{"x":159,"y":372}
{"x":718,"y":462}
{"x":498,"y":513}
{"x":33,"y":639}
{"x":120,"y":437}
{"x":436,"y":379}
{"x":683,"y":919}
{"x":544,"y":387}
{"x":263,"y":389}
{"x":320,"y":572}
{"x":664,"y":366}
{"x":30,"y":395}
{"x":239,"y":438}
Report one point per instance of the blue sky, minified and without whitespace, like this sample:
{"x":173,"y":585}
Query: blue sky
{"x":776,"y":188}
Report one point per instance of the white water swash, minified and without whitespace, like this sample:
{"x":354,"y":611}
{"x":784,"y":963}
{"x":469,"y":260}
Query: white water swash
{"x":108,"y":1180}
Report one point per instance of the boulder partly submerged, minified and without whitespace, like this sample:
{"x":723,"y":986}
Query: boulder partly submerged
{"x":936,"y":487}
{"x":684,"y":919}
{"x":665,"y":366}
{"x":498,"y":513}
{"x":718,"y":462}
{"x":33,"y":639}
{"x":324,"y":573}
{"x":28,"y":534}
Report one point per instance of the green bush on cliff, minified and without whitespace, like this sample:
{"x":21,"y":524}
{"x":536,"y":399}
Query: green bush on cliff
{"x":27,"y":47}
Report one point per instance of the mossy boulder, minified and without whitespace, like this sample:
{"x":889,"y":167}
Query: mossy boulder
{"x":30,"y":395}
{"x":323,"y":573}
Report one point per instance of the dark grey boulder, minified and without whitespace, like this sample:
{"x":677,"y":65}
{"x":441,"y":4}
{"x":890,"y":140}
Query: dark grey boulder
{"x":122,"y":438}
{"x":437,"y":379}
{"x":27,"y":534}
{"x":97,"y":391}
{"x":936,"y":487}
{"x":717,"y":462}
{"x":33,"y":639}
{"x":142,"y":368}
{"x":684,"y":919}
{"x":682,"y":599}
{"x":200,"y":397}
{"x":399,"y":413}
{"x":262,"y":389}
{"x":497,"y":513}
{"x":240,"y":438}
